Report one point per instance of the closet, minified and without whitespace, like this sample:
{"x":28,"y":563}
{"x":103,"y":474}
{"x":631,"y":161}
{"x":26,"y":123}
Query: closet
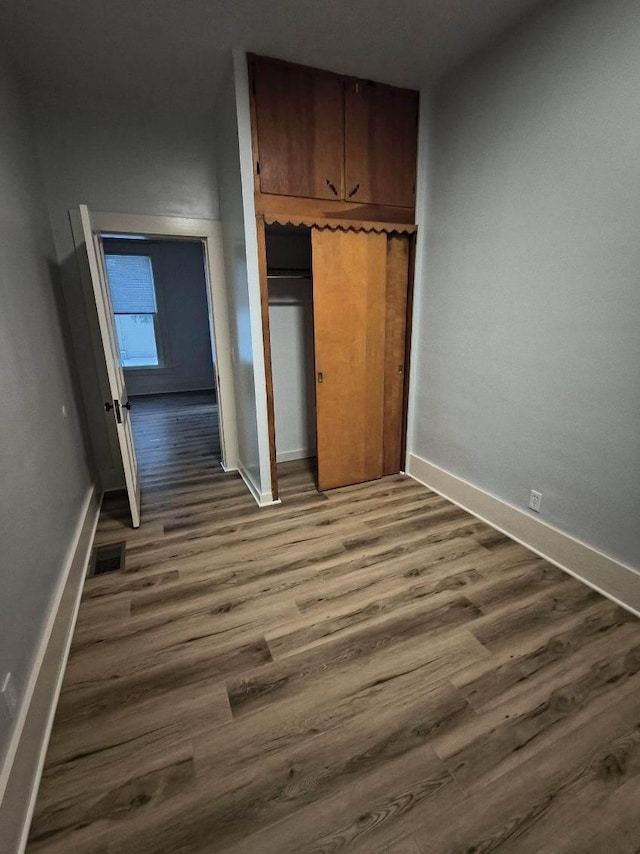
{"x":334,"y":189}
{"x":288,"y":252}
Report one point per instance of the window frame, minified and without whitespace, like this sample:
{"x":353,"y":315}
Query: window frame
{"x":143,"y":248}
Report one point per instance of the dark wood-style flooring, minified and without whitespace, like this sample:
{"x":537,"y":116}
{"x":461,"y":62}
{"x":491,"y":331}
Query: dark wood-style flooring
{"x":371,"y":669}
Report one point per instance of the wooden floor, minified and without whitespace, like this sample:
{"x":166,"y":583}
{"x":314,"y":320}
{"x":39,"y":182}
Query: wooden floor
{"x":370,"y":669}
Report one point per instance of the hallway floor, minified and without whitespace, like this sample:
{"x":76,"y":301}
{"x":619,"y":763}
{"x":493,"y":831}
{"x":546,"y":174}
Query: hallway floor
{"x":370,"y":669}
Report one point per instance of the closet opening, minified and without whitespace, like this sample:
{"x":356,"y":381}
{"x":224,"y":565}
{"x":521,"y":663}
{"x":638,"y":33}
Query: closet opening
{"x":338,"y":299}
{"x":290,"y":296}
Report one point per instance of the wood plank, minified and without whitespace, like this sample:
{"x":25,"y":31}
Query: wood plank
{"x":311,"y":221}
{"x":522,"y":806}
{"x":394,"y":357}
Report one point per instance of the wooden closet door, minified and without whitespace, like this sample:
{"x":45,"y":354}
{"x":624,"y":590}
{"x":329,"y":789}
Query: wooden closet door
{"x":349,"y":280}
{"x":381,"y":141}
{"x":398,"y":263}
{"x":299,"y":115}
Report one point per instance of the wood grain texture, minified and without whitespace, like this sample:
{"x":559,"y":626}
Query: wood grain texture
{"x":293,"y":206}
{"x":266,"y":344}
{"x":398,"y":257}
{"x":349,"y":282}
{"x":340,"y":224}
{"x":300,"y":129}
{"x":381,"y":143}
{"x":369,"y":670}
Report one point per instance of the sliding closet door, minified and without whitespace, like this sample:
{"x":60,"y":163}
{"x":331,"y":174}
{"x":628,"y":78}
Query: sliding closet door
{"x":398,"y":259}
{"x":349,"y":285}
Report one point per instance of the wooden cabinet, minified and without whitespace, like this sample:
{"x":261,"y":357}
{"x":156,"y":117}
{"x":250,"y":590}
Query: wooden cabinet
{"x":319,"y":135}
{"x":299,"y":126}
{"x":381,"y":134}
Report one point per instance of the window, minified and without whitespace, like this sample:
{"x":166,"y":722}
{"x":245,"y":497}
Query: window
{"x":133,"y":298}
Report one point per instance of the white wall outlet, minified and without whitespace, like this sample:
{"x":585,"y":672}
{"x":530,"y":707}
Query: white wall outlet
{"x":535,"y":500}
{"x":9,"y":695}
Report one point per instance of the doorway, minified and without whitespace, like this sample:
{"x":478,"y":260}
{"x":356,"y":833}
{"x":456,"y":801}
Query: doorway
{"x":159,"y":301}
{"x":88,"y":230}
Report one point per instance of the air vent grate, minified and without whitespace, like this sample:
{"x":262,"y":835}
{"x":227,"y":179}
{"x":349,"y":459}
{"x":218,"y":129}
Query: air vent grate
{"x":109,"y":558}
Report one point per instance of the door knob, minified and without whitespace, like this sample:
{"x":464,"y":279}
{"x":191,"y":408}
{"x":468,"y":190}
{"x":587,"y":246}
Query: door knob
{"x":127,"y":405}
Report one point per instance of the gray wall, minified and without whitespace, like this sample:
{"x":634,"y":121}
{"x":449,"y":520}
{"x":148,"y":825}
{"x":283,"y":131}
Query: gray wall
{"x":235,"y":251}
{"x":178,"y":271}
{"x":124,"y":157}
{"x":528,"y":354}
{"x":292,"y":366}
{"x":44,"y":476}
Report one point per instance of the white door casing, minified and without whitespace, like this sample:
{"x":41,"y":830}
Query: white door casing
{"x":118,"y":407}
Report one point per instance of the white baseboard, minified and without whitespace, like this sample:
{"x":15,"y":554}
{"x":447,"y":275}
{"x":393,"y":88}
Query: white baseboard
{"x":298,"y":454}
{"x":262,"y":499}
{"x":20,"y":775}
{"x":615,"y":580}
{"x":169,"y":387}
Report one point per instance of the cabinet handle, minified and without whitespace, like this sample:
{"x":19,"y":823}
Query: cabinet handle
{"x":332,"y":187}
{"x":320,"y":377}
{"x":354,"y":191}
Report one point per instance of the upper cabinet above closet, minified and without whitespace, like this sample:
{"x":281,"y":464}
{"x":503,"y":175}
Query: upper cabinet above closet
{"x":381,"y":138}
{"x":322,"y":136}
{"x":300,"y":129}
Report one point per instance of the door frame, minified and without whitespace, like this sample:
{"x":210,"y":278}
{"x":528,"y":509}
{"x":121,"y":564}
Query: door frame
{"x":209,"y":232}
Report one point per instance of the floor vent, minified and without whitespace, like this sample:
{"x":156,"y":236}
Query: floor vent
{"x":108,"y":558}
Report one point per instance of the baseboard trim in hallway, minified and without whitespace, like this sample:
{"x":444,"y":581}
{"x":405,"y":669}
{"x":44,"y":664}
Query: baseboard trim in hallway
{"x":615,"y":580}
{"x":262,"y":499}
{"x":25,"y":762}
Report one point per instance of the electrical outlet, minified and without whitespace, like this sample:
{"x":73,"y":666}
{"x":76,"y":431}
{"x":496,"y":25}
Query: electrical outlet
{"x":9,"y":695}
{"x":535,"y":500}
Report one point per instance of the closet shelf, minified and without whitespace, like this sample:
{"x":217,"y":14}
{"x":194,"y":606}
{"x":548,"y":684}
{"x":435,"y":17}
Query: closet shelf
{"x":289,"y":274}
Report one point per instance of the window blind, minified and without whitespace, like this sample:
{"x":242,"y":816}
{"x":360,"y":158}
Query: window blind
{"x":131,"y":284}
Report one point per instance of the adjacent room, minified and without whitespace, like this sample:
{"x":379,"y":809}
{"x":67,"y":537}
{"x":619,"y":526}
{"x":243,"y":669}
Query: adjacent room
{"x":158,"y":299}
{"x":320,"y":443}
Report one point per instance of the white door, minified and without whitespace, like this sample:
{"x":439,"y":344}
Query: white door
{"x":118,"y":407}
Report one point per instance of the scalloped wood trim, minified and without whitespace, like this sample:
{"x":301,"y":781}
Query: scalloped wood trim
{"x":323,"y":223}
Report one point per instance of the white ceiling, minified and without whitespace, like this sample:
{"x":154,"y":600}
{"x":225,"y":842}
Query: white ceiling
{"x":134,"y":48}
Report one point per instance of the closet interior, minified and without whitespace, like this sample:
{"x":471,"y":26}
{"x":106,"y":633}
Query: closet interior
{"x":290,"y":289}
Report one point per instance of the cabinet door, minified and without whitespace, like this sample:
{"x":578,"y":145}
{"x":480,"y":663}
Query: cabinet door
{"x":349,"y":280}
{"x":299,"y":114}
{"x":381,"y":137}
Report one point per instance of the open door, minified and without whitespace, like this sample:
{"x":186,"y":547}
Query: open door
{"x":118,"y":406}
{"x":349,"y":282}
